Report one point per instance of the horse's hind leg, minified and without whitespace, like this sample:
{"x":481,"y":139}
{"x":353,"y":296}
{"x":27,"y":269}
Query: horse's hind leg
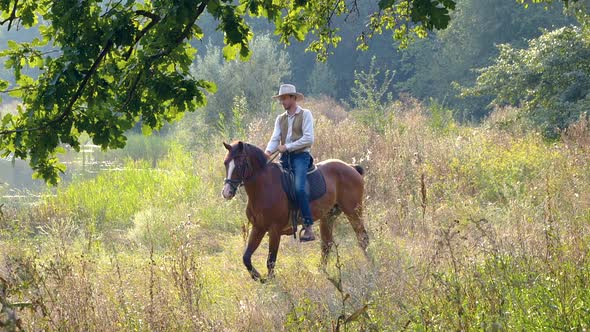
{"x":326,"y":233}
{"x":253,"y":242}
{"x":355,"y":216}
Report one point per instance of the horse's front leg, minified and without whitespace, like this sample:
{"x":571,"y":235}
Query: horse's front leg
{"x":273,"y":249}
{"x":253,"y":242}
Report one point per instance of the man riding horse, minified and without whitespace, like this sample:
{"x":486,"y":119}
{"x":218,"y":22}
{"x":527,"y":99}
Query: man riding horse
{"x":293,"y":137}
{"x":268,"y":207}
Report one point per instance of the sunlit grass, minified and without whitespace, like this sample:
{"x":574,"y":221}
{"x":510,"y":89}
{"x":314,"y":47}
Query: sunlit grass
{"x":471,"y":228}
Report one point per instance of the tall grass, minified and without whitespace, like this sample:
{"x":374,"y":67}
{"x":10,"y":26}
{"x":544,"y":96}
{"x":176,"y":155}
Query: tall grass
{"x":472,"y":228}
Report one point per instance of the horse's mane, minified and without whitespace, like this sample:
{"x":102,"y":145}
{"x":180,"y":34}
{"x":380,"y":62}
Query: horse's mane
{"x":257,"y":154}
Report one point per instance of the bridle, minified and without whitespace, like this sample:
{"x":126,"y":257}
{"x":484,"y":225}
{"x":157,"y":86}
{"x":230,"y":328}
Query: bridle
{"x":240,"y":168}
{"x":236,"y":183}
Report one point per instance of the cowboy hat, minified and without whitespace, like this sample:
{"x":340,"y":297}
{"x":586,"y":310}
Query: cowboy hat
{"x":289,"y":89}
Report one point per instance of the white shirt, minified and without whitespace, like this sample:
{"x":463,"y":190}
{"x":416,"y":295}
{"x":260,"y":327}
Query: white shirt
{"x":305,"y":140}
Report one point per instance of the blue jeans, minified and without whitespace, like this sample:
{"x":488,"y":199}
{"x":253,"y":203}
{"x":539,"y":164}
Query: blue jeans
{"x":299,"y":164}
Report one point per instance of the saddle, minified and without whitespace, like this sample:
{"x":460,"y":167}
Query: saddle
{"x":315,"y":187}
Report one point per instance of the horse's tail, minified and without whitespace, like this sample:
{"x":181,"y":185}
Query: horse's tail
{"x":359,"y":169}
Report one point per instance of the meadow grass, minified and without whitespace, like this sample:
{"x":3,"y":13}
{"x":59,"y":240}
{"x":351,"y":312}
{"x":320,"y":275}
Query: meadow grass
{"x":471,"y":227}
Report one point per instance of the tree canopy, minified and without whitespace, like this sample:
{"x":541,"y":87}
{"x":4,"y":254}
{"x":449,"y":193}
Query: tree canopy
{"x":430,"y":66}
{"x":104,"y":66}
{"x":550,"y":79}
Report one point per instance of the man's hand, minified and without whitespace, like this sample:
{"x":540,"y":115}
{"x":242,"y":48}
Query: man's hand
{"x":282,"y":148}
{"x":267,"y":153}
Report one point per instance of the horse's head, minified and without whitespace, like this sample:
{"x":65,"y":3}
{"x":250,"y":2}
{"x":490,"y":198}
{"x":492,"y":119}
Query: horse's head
{"x":242,"y":163}
{"x":236,"y":164}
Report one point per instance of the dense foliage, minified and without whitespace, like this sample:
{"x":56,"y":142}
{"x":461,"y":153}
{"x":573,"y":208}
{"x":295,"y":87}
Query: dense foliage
{"x":113,"y":64}
{"x":550,"y":79}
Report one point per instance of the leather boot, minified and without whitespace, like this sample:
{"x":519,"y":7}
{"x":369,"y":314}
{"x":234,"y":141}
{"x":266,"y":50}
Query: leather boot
{"x":308,"y":234}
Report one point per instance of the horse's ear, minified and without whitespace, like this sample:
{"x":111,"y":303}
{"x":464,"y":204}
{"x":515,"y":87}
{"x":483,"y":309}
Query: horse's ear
{"x":227,"y":146}
{"x":240,"y":146}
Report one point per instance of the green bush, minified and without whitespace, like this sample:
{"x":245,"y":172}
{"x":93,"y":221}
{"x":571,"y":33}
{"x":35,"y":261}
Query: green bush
{"x":371,"y":97}
{"x":441,"y":118}
{"x":549,"y":79}
{"x":502,"y":171}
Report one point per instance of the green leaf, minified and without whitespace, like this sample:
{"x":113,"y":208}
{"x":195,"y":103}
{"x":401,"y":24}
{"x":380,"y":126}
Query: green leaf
{"x":146,"y":130}
{"x":6,"y":119}
{"x":230,"y":52}
{"x":209,"y":86}
{"x":13,"y":45}
{"x":198,"y":32}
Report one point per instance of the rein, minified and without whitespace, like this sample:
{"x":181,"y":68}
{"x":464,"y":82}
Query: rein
{"x":274,"y":156}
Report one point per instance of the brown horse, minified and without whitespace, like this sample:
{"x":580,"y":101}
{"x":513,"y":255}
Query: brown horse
{"x":268,"y":207}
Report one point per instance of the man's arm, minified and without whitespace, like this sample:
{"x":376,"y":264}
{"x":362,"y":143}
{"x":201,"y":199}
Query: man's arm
{"x":308,"y":137}
{"x":275,"y":139}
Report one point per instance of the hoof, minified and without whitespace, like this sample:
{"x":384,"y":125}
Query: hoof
{"x":255,"y":275}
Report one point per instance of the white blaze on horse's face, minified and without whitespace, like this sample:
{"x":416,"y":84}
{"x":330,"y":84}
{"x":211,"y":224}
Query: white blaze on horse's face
{"x":227,"y":191}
